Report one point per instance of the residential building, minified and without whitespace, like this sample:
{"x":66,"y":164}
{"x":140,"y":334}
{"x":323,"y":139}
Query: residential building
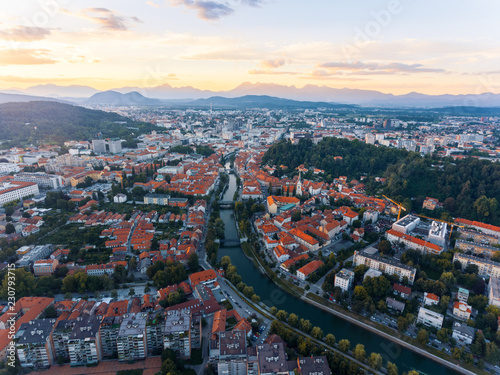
{"x":84,"y":343}
{"x":430,"y":299}
{"x":120,"y":198}
{"x":493,"y":291}
{"x":304,"y":239}
{"x":388,"y":266}
{"x":485,"y":228}
{"x":344,"y":279}
{"x":154,"y":335}
{"x":159,"y":199}
{"x":33,"y":344}
{"x":115,"y":146}
{"x":202,"y":277}
{"x":311,"y":366}
{"x":99,"y":146}
{"x":373,"y":273}
{"x":430,"y":318}
{"x":272,"y":359}
{"x":11,"y":190}
{"x":437,"y":233}
{"x":45,"y":267}
{"x":463,"y":333}
{"x":413,"y":242}
{"x":275,"y":202}
{"x":108,"y":332}
{"x":60,"y":338}
{"x":304,"y":272}
{"x":49,"y":181}
{"x":476,"y":248}
{"x":177,"y":332}
{"x":461,"y":310}
{"x":463,"y":294}
{"x":395,"y":304}
{"x":232,"y":353}
{"x":401,"y":290}
{"x":131,"y":340}
{"x":486,"y":267}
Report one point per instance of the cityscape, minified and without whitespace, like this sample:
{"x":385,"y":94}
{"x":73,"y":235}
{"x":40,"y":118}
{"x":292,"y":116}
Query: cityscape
{"x":186,"y":191}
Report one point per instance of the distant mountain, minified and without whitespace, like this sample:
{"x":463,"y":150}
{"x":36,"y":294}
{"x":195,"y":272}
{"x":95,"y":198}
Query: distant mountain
{"x":118,"y":99}
{"x":312,"y":93}
{"x":42,"y":121}
{"x":56,"y":91}
{"x":6,"y":98}
{"x":260,"y":101}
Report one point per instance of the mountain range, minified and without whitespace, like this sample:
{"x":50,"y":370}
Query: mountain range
{"x":151,"y":95}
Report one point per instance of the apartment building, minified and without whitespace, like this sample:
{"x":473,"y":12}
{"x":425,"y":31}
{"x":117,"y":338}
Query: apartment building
{"x":476,"y":248}
{"x":304,"y":272}
{"x":48,"y":181}
{"x":45,"y":267}
{"x":158,"y":199}
{"x":60,"y":337}
{"x":388,"y":266}
{"x":84,"y":344}
{"x":177,"y":332}
{"x":16,"y":190}
{"x":154,"y":335}
{"x":108,"y":333}
{"x":131,"y":342}
{"x":425,"y":247}
{"x":33,"y":344}
{"x":232,"y":353}
{"x":494,"y":291}
{"x":486,"y":267}
{"x":344,"y":279}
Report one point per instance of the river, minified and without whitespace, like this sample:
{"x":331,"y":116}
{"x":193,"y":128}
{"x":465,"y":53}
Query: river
{"x":271,"y":295}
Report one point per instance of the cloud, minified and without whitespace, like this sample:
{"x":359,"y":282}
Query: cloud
{"x":207,"y":9}
{"x":106,"y":18}
{"x":153,"y":4}
{"x":24,"y":57}
{"x":272,"y":64}
{"x":229,"y":54}
{"x":24,"y":33}
{"x":372,"y":68}
{"x":269,"y":72}
{"x":212,"y":10}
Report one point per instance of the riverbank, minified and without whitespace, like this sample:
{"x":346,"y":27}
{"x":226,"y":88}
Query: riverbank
{"x":297,"y":292}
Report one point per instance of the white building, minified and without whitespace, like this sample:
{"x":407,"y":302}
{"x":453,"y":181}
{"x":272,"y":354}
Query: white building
{"x":373,"y":273}
{"x":494,"y":291}
{"x":50,"y":181}
{"x":344,"y":279}
{"x":16,"y":190}
{"x":430,"y":318}
{"x":115,"y":147}
{"x":461,"y":310}
{"x":486,"y":267}
{"x":406,"y":224}
{"x":387,"y":266}
{"x":437,"y":233}
{"x":371,"y":215}
{"x":9,"y":168}
{"x":463,"y":333}
{"x":430,"y":299}
{"x":120,"y":198}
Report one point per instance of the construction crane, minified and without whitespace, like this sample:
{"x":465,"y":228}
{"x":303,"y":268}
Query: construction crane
{"x":450,"y":223}
{"x":399,"y":205}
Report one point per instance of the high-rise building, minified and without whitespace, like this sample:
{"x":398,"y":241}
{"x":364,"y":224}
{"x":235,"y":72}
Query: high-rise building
{"x":108,"y":331}
{"x":84,"y":344}
{"x":131,"y":341}
{"x":33,"y":344}
{"x":177,"y":333}
{"x":99,"y":146}
{"x":115,"y":147}
{"x":50,"y":181}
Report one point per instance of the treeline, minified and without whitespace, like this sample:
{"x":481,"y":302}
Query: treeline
{"x":468,"y":188}
{"x":30,"y":122}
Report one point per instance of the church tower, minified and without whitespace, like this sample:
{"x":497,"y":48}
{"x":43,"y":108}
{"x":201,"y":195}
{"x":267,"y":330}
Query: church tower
{"x":299,"y":186}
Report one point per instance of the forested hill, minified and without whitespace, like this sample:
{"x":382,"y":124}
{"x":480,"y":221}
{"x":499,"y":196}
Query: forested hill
{"x":469,"y":188}
{"x":25,"y":123}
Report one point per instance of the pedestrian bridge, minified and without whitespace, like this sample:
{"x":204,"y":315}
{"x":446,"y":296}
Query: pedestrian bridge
{"x":229,"y":241}
{"x":226,"y":204}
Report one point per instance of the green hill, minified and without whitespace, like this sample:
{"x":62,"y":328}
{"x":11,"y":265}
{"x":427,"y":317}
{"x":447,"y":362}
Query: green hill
{"x":41,"y":121}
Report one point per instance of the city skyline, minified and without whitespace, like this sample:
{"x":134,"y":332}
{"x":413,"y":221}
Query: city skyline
{"x":389,"y":46}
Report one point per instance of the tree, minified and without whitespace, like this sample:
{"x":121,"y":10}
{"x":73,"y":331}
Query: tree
{"x":132,"y":264}
{"x":356,"y":224}
{"x":131,"y":292}
{"x":492,"y":354}
{"x":344,"y":345}
{"x":359,"y":352}
{"x":392,"y":369}
{"x":282,"y":315}
{"x":50,"y":312}
{"x":273,"y":310}
{"x":330,"y":339}
{"x":193,"y":261}
{"x":114,"y":294}
{"x":317,"y":333}
{"x":293,"y":320}
{"x":375,"y":361}
{"x":10,"y":228}
{"x":385,"y":247}
{"x":305,"y":325}
{"x":422,"y":336}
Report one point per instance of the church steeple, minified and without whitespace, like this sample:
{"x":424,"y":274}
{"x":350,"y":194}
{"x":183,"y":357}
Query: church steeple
{"x":299,"y":186}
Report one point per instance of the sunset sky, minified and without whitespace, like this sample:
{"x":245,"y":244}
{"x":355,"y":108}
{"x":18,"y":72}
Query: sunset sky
{"x":433,"y":47}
